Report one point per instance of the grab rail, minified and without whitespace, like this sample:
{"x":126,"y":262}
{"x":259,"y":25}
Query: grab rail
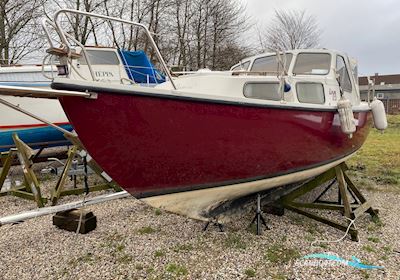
{"x":65,"y":41}
{"x":63,"y":34}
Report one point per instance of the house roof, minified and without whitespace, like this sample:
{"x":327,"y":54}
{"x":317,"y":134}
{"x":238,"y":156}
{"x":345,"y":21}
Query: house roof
{"x":381,"y":79}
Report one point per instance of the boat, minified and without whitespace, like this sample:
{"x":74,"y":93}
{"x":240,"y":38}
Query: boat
{"x":111,"y":65}
{"x":34,"y":133}
{"x":193,"y":142}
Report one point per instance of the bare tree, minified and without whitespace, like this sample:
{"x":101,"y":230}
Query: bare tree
{"x":19,"y":35}
{"x":291,"y":30}
{"x":228,"y":22}
{"x":191,"y":33}
{"x":80,"y":27}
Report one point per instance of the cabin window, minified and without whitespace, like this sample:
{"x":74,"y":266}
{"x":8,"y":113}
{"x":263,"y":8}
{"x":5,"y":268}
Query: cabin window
{"x":344,"y":77}
{"x":266,"y":91}
{"x":100,"y":57}
{"x":312,"y":64}
{"x":242,"y":66}
{"x":310,"y":93}
{"x":270,"y":64}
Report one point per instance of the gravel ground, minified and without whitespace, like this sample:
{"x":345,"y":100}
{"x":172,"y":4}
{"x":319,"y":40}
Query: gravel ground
{"x":135,"y":241}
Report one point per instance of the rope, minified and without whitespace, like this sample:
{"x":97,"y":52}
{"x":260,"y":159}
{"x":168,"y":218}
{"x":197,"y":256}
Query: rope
{"x":81,"y":215}
{"x":338,"y":240}
{"x":86,"y":193}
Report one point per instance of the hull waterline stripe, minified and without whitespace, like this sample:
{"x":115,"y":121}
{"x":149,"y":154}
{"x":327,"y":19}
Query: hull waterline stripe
{"x":235,"y":182}
{"x":29,"y":125}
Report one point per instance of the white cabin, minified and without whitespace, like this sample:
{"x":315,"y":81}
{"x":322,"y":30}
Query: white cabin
{"x":312,"y":75}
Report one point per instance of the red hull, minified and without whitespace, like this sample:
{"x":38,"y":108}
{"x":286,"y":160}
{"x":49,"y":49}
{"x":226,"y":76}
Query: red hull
{"x":156,"y":145}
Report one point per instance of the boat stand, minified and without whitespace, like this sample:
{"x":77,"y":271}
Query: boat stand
{"x":214,"y":223}
{"x":31,"y":188}
{"x":259,"y":219}
{"x":59,"y":190}
{"x":25,"y":154}
{"x":346,"y":189}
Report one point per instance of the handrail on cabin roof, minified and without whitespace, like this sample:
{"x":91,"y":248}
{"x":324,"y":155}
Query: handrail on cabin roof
{"x":63,"y":35}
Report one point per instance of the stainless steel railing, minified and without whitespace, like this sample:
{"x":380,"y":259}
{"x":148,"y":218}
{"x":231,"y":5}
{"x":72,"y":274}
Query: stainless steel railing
{"x":65,"y":36}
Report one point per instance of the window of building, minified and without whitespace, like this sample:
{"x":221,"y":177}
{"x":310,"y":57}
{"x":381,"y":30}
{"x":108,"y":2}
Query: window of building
{"x":270,"y":64}
{"x":342,"y":71}
{"x":312,"y":64}
{"x":310,"y":93}
{"x":266,"y":91}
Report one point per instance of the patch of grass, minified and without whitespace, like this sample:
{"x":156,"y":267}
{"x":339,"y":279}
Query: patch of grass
{"x":297,"y":220}
{"x":157,"y":212}
{"x":378,"y":158}
{"x":120,"y":247}
{"x":368,"y":248}
{"x":138,"y":266}
{"x":88,"y":257}
{"x":146,"y":230}
{"x":377,"y":221}
{"x":46,"y":177}
{"x":323,"y":245}
{"x":252,"y":228}
{"x":234,"y":241}
{"x":183,"y":247}
{"x":65,"y":272}
{"x":114,"y":237}
{"x":250,"y":273}
{"x":313,"y":229}
{"x":373,"y":239}
{"x":125,"y":258}
{"x":364,"y":274}
{"x":178,"y":270}
{"x":279,"y":276}
{"x":149,"y":270}
{"x":375,"y":225}
{"x":387,"y":249}
{"x":309,"y":238}
{"x":159,"y":253}
{"x":280,"y":254}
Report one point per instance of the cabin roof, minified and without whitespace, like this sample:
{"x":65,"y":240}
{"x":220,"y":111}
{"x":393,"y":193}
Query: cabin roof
{"x":294,"y":52}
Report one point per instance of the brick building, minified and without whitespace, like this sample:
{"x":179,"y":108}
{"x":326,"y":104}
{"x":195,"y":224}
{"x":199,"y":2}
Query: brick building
{"x":387,"y":89}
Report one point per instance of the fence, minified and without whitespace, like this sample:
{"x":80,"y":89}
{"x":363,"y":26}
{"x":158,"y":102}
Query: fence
{"x":392,"y":106}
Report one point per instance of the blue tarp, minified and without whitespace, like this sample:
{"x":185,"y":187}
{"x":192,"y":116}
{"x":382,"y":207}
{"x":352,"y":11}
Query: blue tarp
{"x":139,"y":68}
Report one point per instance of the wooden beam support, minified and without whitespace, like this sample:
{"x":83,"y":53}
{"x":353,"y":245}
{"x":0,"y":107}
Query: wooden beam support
{"x":58,"y":189}
{"x":346,"y":188}
{"x":6,"y":159}
{"x":353,"y":232}
{"x":31,"y":189}
{"x":25,"y":154}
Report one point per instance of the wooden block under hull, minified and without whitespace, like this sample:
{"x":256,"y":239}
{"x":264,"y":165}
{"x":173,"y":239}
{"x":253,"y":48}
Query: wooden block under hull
{"x":69,"y":220}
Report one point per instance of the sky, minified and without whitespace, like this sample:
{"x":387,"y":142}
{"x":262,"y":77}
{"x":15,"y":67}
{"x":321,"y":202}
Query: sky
{"x":366,"y":30}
